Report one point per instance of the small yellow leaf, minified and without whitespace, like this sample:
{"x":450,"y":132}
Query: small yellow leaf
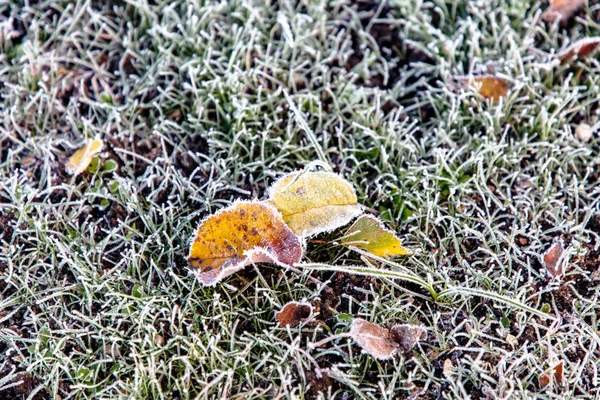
{"x":243,"y":233}
{"x":314,"y":202}
{"x":82,"y":158}
{"x":489,"y":86}
{"x":370,"y":234}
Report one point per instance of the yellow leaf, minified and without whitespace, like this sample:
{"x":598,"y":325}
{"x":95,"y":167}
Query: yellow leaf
{"x":489,"y":86}
{"x":370,"y":234}
{"x":314,"y":202}
{"x":243,"y":233}
{"x":81,"y":159}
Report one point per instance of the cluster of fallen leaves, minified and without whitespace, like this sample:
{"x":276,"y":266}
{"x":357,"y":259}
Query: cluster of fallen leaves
{"x":300,"y":205}
{"x":495,"y":88}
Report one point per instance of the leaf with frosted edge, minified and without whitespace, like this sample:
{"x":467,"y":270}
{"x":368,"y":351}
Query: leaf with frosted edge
{"x":369,"y":233}
{"x":406,"y":336}
{"x":82,"y":158}
{"x":293,"y":313}
{"x":314,"y":202}
{"x":580,"y":49}
{"x":243,"y":233}
{"x":373,"y":339}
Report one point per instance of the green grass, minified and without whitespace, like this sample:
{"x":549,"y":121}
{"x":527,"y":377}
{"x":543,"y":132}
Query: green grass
{"x":195,"y":103}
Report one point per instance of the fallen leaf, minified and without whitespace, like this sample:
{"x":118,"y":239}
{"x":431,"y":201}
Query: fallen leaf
{"x":373,"y":339}
{"x":489,"y":86}
{"x":369,"y":233}
{"x":580,"y":49}
{"x":512,"y":340}
{"x":82,"y":158}
{"x":448,"y":368}
{"x":238,"y":235}
{"x":407,"y":336}
{"x":584,"y":132}
{"x":562,"y":10}
{"x":314,"y":202}
{"x":558,"y":375}
{"x":293,"y":313}
{"x":552,"y":259}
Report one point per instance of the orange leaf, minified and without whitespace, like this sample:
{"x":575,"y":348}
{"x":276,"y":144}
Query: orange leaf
{"x":489,"y":86}
{"x":581,"y":48}
{"x":243,"y":233}
{"x":82,"y":158}
{"x":292,"y":313}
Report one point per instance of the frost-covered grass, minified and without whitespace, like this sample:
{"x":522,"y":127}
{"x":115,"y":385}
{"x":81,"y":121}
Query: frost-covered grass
{"x":190,"y":99}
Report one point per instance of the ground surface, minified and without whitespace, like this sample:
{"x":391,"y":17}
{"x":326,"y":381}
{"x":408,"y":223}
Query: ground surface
{"x":95,"y":296}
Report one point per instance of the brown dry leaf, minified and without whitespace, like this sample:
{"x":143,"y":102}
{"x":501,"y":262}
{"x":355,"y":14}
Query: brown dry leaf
{"x":580,"y":49}
{"x":82,"y":158}
{"x":373,"y":339}
{"x":293,"y":313}
{"x":407,"y":336}
{"x":562,"y":10}
{"x":369,"y":233}
{"x":489,"y":86}
{"x":314,"y":202}
{"x":552,"y":260}
{"x":238,"y":235}
{"x":558,"y":375}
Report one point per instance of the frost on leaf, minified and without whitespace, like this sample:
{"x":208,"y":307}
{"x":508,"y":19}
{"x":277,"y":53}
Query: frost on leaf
{"x":370,"y":234}
{"x":407,"y":336}
{"x":562,"y":10}
{"x":82,"y":158}
{"x":373,"y":339}
{"x":293,"y":313}
{"x":489,"y":86}
{"x":579,"y":49}
{"x":314,"y":202}
{"x":552,"y":259}
{"x":243,"y":233}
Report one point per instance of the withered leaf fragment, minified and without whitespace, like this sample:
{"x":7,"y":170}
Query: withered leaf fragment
{"x":562,"y":10}
{"x":557,"y":371}
{"x":406,"y":336}
{"x":580,"y":49}
{"x":373,"y":339}
{"x":293,"y":313}
{"x":552,"y":260}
